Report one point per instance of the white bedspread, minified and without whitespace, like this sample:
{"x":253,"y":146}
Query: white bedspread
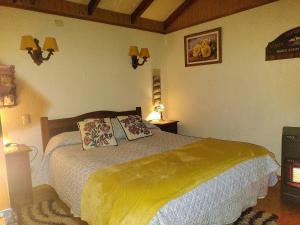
{"x":216,"y":202}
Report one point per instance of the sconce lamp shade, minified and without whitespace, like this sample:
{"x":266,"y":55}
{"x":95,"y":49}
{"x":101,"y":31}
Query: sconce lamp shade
{"x":27,"y":42}
{"x":133,"y":51}
{"x":50,"y":44}
{"x":144,"y":53}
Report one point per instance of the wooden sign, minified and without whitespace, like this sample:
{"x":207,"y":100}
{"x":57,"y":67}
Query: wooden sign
{"x":156,"y":91}
{"x":7,"y":86}
{"x":286,"y":46}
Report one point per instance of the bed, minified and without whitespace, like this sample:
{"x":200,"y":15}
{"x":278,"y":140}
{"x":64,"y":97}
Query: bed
{"x":218,"y":201}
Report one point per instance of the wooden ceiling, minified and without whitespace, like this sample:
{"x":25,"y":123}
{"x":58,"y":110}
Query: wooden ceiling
{"x":161,"y":16}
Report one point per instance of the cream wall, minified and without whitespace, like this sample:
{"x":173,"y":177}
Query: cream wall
{"x":91,"y":72}
{"x":244,"y":98}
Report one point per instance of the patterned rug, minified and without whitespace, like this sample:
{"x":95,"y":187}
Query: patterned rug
{"x":255,"y":217}
{"x":48,"y":213}
{"x":48,"y":209}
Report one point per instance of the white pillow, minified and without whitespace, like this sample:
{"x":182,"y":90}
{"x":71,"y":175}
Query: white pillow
{"x":63,"y":139}
{"x":118,"y":130}
{"x":150,"y":125}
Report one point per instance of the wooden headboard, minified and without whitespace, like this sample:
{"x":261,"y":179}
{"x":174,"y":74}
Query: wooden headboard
{"x":51,"y":128}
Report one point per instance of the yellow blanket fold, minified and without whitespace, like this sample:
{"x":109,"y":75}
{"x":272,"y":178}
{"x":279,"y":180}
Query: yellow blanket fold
{"x":133,"y":192}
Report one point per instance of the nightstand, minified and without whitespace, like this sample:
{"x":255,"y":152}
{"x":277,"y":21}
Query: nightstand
{"x":19,"y":174}
{"x":167,"y":125}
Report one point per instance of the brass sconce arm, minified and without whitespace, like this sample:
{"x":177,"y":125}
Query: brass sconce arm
{"x":136,"y":63}
{"x":37,"y":54}
{"x":136,"y":56}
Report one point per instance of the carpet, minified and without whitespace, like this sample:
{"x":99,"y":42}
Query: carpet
{"x":48,"y":213}
{"x":46,"y":209}
{"x":255,"y":217}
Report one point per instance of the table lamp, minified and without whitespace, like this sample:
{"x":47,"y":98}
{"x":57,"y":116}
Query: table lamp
{"x":160,"y":109}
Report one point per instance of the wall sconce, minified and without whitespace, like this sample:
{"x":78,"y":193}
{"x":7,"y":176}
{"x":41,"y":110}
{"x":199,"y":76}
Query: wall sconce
{"x":136,"y":55}
{"x":31,"y":45}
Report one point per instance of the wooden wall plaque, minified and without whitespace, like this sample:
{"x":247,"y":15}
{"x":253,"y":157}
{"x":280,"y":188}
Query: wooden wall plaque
{"x":7,"y":86}
{"x":156,"y":87}
{"x":286,"y":46}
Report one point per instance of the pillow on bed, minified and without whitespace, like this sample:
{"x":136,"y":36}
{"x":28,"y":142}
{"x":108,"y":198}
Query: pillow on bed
{"x":150,"y":125}
{"x":96,"y":132}
{"x":118,"y":130}
{"x":63,"y":139}
{"x":134,"y":127}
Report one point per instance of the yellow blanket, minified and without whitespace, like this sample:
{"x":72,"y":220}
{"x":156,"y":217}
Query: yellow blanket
{"x":133,"y":192}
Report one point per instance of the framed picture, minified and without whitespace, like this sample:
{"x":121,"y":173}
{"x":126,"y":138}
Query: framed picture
{"x":203,"y":48}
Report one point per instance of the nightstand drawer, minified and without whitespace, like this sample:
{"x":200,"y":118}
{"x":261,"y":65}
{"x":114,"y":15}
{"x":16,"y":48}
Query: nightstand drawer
{"x":19,"y":177}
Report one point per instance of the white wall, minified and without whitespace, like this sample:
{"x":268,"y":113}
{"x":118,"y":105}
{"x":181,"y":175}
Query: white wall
{"x":91,"y":72}
{"x":244,"y":98}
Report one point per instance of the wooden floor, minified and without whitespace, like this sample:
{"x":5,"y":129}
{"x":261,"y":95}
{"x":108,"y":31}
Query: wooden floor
{"x":289,"y":213}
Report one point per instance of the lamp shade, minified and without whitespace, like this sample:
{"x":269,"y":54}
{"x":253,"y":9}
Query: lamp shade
{"x":154,"y":116}
{"x":133,"y":51}
{"x":27,"y":42}
{"x":144,"y":53}
{"x":50,"y":44}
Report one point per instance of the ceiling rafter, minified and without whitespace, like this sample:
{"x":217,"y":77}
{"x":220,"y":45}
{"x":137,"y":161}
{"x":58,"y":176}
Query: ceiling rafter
{"x":200,"y":11}
{"x":92,"y":6}
{"x":140,"y":10}
{"x":79,"y":11}
{"x":177,"y":13}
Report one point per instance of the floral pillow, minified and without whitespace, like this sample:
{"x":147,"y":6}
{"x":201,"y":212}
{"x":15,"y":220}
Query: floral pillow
{"x":134,"y":127}
{"x":96,"y":132}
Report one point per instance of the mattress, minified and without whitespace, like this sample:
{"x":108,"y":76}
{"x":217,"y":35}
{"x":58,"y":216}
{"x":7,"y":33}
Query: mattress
{"x":66,"y":169}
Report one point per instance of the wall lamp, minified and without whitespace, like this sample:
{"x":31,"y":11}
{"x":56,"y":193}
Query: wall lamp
{"x":136,"y":55}
{"x":31,"y":45}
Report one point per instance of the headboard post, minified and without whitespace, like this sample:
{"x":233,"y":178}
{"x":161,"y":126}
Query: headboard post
{"x":138,"y":111}
{"x":45,"y":131}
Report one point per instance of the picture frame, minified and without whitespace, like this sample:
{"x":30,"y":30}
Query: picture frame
{"x":203,"y":48}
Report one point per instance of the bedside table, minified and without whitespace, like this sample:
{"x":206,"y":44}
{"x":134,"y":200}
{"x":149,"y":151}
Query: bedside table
{"x":167,"y":125}
{"x":19,"y":174}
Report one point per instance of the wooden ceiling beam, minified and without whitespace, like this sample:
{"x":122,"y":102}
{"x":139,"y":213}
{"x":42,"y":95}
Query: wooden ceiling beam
{"x":177,"y":13}
{"x":140,"y":10}
{"x":79,"y":11}
{"x":92,"y":6}
{"x":202,"y":11}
